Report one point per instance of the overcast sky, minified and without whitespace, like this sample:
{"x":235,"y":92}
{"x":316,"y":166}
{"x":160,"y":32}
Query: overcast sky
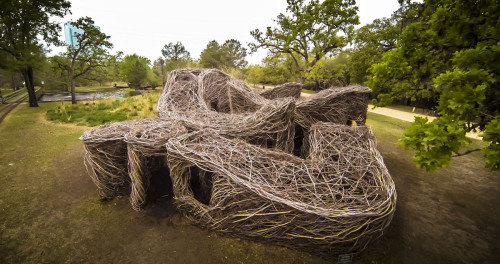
{"x":144,"y":27}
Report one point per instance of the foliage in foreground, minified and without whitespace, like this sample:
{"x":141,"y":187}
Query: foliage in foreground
{"x":450,"y":55}
{"x":23,"y":25}
{"x":94,"y":113}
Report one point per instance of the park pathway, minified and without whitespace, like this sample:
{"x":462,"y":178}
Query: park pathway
{"x":410,"y":117}
{"x":9,"y":102}
{"x":402,"y":115}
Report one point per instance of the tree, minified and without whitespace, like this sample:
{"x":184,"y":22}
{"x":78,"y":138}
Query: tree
{"x":8,"y":74}
{"x":255,"y":74}
{"x":88,"y":54}
{"x":330,"y":72}
{"x":231,"y":54}
{"x":280,"y":69}
{"x":176,"y":56}
{"x":451,"y":54}
{"x":175,"y":52}
{"x":134,"y":70}
{"x":373,"y":40}
{"x":210,"y":57}
{"x":22,"y":22}
{"x":312,"y":30}
{"x":154,"y":77}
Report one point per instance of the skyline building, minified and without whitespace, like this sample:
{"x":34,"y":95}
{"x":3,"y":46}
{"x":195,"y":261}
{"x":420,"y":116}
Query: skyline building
{"x":69,"y":34}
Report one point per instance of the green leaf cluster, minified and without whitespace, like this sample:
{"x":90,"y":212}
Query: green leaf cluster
{"x":434,"y":142}
{"x":134,"y":70}
{"x":231,"y":54}
{"x":451,"y":55}
{"x":492,"y":152}
{"x":373,"y":40}
{"x":309,"y":31}
{"x":330,"y":71}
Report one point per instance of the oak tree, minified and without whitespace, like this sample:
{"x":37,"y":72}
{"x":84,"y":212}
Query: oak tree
{"x":453,"y":55}
{"x":309,"y":31}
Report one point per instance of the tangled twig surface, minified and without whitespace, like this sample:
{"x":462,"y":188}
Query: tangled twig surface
{"x":229,"y":152}
{"x":291,"y":89}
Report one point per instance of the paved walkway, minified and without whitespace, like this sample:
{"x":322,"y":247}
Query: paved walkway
{"x":406,"y":116}
{"x":410,"y":117}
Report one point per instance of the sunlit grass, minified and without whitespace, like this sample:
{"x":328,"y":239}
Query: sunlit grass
{"x":94,"y":113}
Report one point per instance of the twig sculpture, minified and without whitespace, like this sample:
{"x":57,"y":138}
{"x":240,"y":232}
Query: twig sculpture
{"x":291,"y":89}
{"x":229,"y":152}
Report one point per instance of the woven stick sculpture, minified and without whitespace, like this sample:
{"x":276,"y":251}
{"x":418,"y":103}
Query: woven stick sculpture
{"x":202,"y":90}
{"x":291,"y":89}
{"x":106,"y":158}
{"x":337,"y":105}
{"x":318,"y":204}
{"x":229,"y":155}
{"x":146,"y":151}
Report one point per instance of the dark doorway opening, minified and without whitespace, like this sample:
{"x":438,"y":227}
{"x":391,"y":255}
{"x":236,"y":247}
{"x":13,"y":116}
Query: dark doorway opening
{"x":201,"y":184}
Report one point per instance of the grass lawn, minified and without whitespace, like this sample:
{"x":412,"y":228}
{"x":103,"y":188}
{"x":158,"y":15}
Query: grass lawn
{"x":50,"y":211}
{"x":94,"y":113}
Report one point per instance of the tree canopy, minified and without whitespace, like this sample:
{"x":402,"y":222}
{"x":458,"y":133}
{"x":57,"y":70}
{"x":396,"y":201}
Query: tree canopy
{"x":22,"y":22}
{"x":231,"y":54}
{"x":329,"y":72}
{"x":89,"y":53}
{"x":450,"y":55}
{"x":176,"y":56}
{"x":175,"y":52}
{"x":309,"y":31}
{"x":370,"y":42}
{"x":134,"y":70}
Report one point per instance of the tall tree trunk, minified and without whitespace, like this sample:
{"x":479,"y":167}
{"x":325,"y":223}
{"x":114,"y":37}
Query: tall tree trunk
{"x":302,"y":80}
{"x":72,"y":78}
{"x":30,"y":86}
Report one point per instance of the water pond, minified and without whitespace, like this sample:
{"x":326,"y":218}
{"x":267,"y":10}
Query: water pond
{"x":90,"y":96}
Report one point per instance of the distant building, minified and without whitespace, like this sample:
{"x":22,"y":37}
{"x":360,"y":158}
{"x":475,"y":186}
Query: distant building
{"x":69,"y":34}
